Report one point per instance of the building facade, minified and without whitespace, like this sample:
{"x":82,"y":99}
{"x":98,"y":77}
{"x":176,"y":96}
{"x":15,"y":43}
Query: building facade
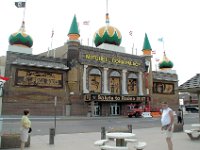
{"x":84,"y":80}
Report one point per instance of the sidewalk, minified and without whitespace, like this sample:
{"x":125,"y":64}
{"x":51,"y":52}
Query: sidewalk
{"x":85,"y":141}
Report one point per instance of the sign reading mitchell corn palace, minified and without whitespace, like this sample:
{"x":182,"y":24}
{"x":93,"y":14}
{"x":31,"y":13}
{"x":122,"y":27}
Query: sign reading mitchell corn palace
{"x":112,"y":80}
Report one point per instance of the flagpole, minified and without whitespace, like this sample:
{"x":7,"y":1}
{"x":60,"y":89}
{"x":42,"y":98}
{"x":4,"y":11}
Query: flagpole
{"x":52,"y":43}
{"x":132,"y":48}
{"x":88,"y":41}
{"x":48,"y":52}
{"x":163,"y":46}
{"x":156,"y":66}
{"x":24,"y":11}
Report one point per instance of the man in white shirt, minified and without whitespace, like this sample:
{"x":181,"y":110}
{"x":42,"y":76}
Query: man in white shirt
{"x":167,"y":121}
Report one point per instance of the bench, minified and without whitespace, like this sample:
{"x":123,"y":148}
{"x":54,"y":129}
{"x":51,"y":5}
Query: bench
{"x":193,"y":134}
{"x":131,"y":140}
{"x":108,"y":147}
{"x":100,"y":142}
{"x":140,"y":145}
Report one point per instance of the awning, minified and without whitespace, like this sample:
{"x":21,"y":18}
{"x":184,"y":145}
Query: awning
{"x":38,"y":63}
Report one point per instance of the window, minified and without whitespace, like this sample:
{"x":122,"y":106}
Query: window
{"x":115,"y":82}
{"x":95,"y":81}
{"x":132,"y":84}
{"x":163,"y":88}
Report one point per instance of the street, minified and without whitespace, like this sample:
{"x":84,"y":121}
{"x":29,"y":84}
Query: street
{"x":41,"y":126}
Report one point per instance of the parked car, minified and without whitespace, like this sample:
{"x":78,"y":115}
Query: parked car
{"x":192,"y":108}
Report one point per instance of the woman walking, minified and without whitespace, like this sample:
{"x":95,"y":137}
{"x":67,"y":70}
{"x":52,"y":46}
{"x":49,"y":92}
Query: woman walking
{"x":25,"y":128}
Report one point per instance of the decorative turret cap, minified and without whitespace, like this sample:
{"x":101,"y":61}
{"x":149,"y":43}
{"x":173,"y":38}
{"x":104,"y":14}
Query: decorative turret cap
{"x":146,"y":46}
{"x":74,"y":31}
{"x":20,"y":38}
{"x":165,"y":63}
{"x":107,"y":34}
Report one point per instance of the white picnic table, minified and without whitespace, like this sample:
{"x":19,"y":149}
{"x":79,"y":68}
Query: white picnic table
{"x":120,"y":137}
{"x":194,"y":133}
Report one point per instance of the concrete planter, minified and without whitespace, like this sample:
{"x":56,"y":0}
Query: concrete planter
{"x":178,"y":127}
{"x":12,"y":140}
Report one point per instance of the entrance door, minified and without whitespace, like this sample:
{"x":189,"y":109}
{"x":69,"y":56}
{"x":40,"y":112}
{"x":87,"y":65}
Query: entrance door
{"x":114,"y":109}
{"x":97,"y":110}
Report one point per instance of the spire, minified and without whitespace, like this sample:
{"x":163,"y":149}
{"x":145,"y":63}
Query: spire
{"x":165,"y":63}
{"x":20,"y":38}
{"x":107,"y":14}
{"x":107,"y":19}
{"x":146,"y":46}
{"x":74,"y":32}
{"x":22,"y":28}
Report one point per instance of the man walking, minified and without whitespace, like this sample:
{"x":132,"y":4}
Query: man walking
{"x":167,"y":121}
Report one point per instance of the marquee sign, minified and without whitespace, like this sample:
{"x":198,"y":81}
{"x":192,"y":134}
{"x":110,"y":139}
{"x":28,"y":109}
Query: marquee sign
{"x":112,"y":60}
{"x":38,"y":78}
{"x":117,"y":98}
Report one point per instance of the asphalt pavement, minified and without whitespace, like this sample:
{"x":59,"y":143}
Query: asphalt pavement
{"x":154,"y":138}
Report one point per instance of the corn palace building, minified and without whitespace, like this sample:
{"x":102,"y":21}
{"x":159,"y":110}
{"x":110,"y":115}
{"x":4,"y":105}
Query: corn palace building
{"x":84,"y":80}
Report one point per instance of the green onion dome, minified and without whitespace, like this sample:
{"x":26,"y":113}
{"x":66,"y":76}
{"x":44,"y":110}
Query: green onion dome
{"x":21,"y":38}
{"x":165,"y":63}
{"x":107,"y":34}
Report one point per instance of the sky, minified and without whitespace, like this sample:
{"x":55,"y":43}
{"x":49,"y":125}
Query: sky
{"x":176,"y":21}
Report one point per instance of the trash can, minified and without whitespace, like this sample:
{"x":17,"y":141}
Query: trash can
{"x":51,"y":135}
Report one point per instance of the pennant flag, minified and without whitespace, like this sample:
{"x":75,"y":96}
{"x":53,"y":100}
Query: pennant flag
{"x":20,"y":4}
{"x":160,"y":39}
{"x":4,"y":78}
{"x":86,"y":22}
{"x":2,"y":81}
{"x":153,"y":52}
{"x":130,"y":33}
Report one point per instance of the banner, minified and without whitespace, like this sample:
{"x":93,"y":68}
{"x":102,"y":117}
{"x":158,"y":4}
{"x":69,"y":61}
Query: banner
{"x":20,"y":4}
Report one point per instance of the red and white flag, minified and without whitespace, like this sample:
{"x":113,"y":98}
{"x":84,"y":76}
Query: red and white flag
{"x":3,"y":79}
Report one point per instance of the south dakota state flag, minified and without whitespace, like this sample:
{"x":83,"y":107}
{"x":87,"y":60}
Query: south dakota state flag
{"x":20,"y":4}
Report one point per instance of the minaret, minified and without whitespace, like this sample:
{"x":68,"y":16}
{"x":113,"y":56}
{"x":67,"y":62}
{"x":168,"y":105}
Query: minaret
{"x":148,"y":77}
{"x":165,"y":64}
{"x":73,"y":42}
{"x":146,"y":46}
{"x":73,"y":31}
{"x":108,"y":37}
{"x":20,"y":41}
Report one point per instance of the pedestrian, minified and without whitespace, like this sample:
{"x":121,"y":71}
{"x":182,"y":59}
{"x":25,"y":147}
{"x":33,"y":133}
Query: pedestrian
{"x":25,"y":128}
{"x":179,"y":116}
{"x":167,"y":121}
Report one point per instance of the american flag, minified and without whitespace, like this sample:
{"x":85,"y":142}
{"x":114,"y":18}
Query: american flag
{"x":86,"y":22}
{"x":157,"y":59}
{"x":153,"y":52}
